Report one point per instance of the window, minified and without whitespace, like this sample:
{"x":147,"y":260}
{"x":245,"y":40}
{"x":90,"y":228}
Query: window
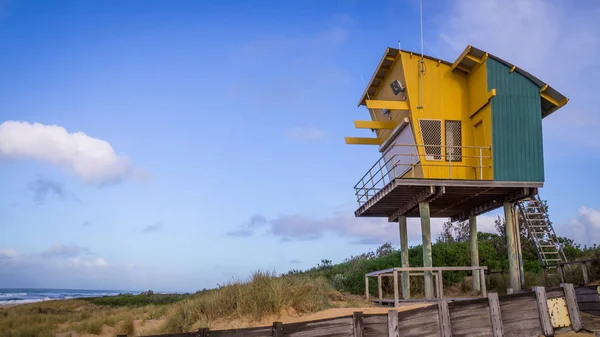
{"x":453,"y":141}
{"x":431,"y":135}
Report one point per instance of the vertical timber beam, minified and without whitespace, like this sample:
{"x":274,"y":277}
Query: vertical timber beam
{"x":474,"y":253}
{"x":513,"y":263}
{"x":404,"y":256}
{"x":518,"y":240}
{"x":427,"y":259}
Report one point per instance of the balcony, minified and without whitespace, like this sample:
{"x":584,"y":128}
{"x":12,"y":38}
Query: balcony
{"x":457,"y":181}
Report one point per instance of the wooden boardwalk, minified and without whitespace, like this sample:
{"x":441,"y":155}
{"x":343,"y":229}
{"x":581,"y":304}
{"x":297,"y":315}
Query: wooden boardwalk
{"x":539,"y":312}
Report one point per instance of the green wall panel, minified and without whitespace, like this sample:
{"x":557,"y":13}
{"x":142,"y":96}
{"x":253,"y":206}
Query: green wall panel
{"x":517,"y":142}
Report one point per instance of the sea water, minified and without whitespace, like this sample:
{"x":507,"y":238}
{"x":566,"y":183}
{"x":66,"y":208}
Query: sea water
{"x":28,"y":295}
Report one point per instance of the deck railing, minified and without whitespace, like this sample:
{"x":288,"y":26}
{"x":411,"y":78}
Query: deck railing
{"x":403,"y":160}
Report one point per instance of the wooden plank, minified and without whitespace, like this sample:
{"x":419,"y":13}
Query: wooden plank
{"x":393,"y":323}
{"x":444,"y":319}
{"x":375,"y":325}
{"x":572,"y":306}
{"x":542,"y":305}
{"x":520,"y":316}
{"x":357,"y":324}
{"x":379,"y":289}
{"x":419,"y":322}
{"x":265,"y":331}
{"x":495,"y":315}
{"x":339,"y":327}
{"x":470,"y":318}
{"x":440,"y":284}
{"x":389,"y":105}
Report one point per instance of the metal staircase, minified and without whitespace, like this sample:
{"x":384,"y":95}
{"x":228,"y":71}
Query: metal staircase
{"x":539,"y":227}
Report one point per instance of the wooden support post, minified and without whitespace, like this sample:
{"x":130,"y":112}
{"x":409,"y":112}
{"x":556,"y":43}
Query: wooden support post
{"x":427,"y":258}
{"x":440,"y":283}
{"x":404,"y":257}
{"x":561,"y":273}
{"x":495,"y":316}
{"x":518,"y":241}
{"x":585,"y":273}
{"x":572,"y":306}
{"x":513,"y":263}
{"x":474,"y":252}
{"x":444,"y":319}
{"x":393,"y":323}
{"x":379,"y":290}
{"x":359,"y":326}
{"x":277,"y":329}
{"x":396,"y":297}
{"x":542,"y":304}
{"x":367,"y":287}
{"x":482,"y":283}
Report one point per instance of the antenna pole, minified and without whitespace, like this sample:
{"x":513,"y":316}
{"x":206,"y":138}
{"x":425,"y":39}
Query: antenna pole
{"x":422,"y":61}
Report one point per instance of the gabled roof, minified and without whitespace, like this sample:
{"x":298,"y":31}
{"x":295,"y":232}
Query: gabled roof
{"x":552,"y":100}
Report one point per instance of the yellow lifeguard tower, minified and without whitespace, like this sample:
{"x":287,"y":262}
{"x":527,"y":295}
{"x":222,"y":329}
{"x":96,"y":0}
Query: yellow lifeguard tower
{"x":457,"y":140}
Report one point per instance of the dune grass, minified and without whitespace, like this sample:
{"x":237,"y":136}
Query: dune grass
{"x":262,"y":295}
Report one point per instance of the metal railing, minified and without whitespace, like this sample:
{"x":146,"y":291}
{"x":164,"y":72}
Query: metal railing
{"x":399,"y":159}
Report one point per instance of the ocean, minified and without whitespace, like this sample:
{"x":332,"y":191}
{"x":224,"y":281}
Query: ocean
{"x":27,"y":295}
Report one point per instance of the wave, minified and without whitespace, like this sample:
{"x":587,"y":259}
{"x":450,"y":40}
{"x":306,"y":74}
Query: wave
{"x":21,"y":301}
{"x":3,"y":295}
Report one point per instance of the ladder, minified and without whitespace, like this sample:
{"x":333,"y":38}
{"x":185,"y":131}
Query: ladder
{"x":539,"y":227}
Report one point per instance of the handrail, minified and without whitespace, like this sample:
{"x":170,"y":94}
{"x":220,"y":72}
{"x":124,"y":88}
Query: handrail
{"x":394,"y":164}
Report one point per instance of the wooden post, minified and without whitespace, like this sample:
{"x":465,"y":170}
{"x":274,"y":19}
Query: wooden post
{"x":561,"y":274}
{"x":396,"y":297}
{"x":357,"y":320}
{"x":495,"y":316}
{"x":440,"y":282}
{"x":482,"y":283}
{"x":585,"y":273}
{"x":513,"y":263}
{"x":277,"y":329}
{"x":444,"y":319}
{"x":379,"y":290}
{"x":427,"y":258}
{"x":367,"y":287}
{"x":518,"y":241}
{"x":393,"y":323}
{"x":474,"y":252}
{"x":404,"y":257}
{"x":572,"y":307}
{"x":542,"y":304}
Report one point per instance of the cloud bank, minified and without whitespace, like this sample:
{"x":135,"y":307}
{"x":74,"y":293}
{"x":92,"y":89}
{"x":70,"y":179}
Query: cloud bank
{"x":93,"y":160}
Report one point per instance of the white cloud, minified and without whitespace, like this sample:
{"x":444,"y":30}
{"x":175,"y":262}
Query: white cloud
{"x":65,"y":251}
{"x":305,"y":133}
{"x":584,"y":229}
{"x":91,"y":159}
{"x":98,"y":262}
{"x":7,"y":253}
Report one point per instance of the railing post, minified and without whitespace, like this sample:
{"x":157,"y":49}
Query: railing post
{"x":379,"y":290}
{"x":585,"y":273}
{"x":480,"y":163}
{"x":396,"y":296}
{"x":367,"y":287}
{"x":542,"y":304}
{"x":393,"y":323}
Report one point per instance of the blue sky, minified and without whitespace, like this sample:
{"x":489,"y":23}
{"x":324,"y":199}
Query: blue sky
{"x":184,"y":143}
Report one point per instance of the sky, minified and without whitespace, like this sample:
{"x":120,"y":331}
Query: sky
{"x":177,"y":145}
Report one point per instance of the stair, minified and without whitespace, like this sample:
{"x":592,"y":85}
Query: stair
{"x":541,"y":231}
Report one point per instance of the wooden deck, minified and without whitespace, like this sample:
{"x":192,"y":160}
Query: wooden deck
{"x":456,"y":199}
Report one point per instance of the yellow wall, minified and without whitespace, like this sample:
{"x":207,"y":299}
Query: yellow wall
{"x":480,"y":115}
{"x":446,"y":95}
